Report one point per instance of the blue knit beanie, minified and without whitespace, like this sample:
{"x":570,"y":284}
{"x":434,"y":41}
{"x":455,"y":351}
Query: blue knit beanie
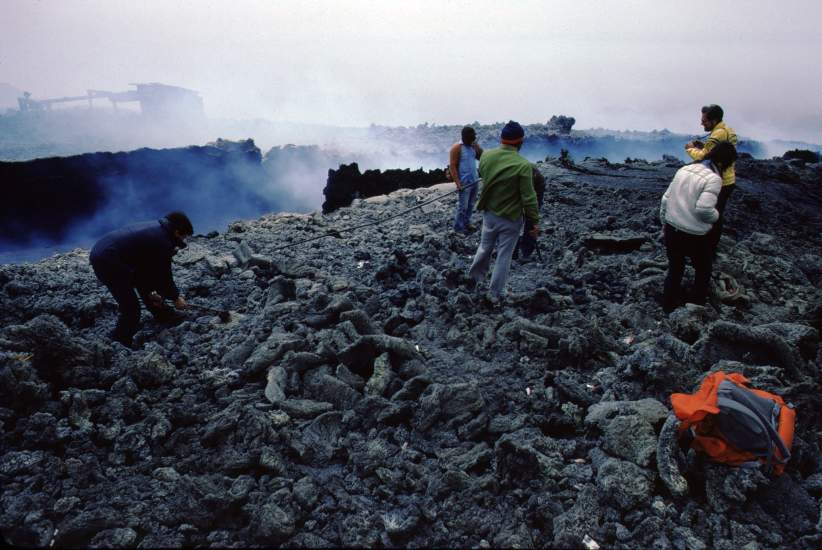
{"x":512,"y":133}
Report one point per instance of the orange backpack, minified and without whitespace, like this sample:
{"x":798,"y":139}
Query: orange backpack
{"x":735,"y":424}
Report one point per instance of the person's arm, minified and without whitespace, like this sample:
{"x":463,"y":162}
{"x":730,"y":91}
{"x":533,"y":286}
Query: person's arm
{"x":167,"y":289}
{"x":477,"y":149}
{"x":696,"y":153}
{"x":527,"y":195}
{"x":454,"y":164}
{"x":705,"y":207}
{"x":717,"y":136}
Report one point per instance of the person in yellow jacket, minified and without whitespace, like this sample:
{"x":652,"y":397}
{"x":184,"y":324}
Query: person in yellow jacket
{"x":720,"y":133}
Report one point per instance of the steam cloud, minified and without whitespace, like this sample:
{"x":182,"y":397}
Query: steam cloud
{"x":217,"y":185}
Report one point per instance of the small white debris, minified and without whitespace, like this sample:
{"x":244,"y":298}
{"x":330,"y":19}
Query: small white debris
{"x":528,"y":391}
{"x":590,"y":386}
{"x":404,"y":445}
{"x":360,"y":264}
{"x":628,"y":340}
{"x":417,"y":347}
{"x":579,"y":460}
{"x":590,"y":543}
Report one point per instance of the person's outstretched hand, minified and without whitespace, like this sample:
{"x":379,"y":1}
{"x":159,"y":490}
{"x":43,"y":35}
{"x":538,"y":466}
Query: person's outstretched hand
{"x":155,"y":300}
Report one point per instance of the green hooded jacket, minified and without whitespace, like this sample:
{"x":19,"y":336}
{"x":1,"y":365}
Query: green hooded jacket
{"x":507,"y":184}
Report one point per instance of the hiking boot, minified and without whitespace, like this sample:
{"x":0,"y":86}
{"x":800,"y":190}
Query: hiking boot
{"x":469,"y":284}
{"x":167,"y":316}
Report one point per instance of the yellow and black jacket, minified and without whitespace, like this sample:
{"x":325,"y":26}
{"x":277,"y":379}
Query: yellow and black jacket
{"x":720,"y":133}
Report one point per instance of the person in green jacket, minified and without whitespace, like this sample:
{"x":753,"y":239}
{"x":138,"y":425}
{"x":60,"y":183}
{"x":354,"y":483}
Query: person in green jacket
{"x":720,"y":133}
{"x":507,"y":194}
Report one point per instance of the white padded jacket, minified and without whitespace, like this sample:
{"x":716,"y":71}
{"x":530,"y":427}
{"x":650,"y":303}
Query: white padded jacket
{"x":689,"y":204}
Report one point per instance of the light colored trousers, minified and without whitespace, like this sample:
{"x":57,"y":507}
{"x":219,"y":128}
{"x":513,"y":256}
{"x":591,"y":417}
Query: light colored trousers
{"x":503,"y":234}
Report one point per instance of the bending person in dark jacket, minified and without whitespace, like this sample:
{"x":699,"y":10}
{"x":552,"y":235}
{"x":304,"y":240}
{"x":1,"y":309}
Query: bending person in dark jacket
{"x":138,"y":257}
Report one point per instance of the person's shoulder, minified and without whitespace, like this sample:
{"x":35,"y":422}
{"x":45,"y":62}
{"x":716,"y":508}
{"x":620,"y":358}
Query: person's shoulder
{"x":149,"y":227}
{"x":136,"y":228}
{"x":490,"y":153}
{"x":689,"y":170}
{"x":704,"y":173}
{"x":148,"y":231}
{"x":722,"y":131}
{"x":524,"y":163}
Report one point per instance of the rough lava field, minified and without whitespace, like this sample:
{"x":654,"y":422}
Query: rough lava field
{"x":361,"y":395}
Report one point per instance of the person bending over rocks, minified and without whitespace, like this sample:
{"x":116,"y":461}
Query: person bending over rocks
{"x":138,"y":257}
{"x":463,"y":167}
{"x":720,"y":133}
{"x":507,"y":193}
{"x":688,"y":212}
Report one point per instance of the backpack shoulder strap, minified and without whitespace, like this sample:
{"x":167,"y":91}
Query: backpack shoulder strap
{"x":744,"y":397}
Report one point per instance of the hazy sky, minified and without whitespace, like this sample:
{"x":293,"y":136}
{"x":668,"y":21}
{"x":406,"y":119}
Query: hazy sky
{"x":641,"y":64}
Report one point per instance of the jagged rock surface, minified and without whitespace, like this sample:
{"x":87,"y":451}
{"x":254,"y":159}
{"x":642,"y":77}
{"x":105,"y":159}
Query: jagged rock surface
{"x":361,"y":395}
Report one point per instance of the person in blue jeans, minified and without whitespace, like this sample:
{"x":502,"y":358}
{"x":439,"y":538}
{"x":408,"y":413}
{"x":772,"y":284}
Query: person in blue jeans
{"x":463,"y":167}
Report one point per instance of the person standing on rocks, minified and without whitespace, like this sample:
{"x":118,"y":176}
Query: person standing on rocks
{"x":138,"y":257}
{"x":507,"y":194}
{"x":720,"y":133}
{"x":688,"y":212}
{"x":463,"y":167}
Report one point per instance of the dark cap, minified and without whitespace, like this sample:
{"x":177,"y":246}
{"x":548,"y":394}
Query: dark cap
{"x":512,"y":133}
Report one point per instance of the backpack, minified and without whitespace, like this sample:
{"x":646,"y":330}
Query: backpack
{"x":735,"y":424}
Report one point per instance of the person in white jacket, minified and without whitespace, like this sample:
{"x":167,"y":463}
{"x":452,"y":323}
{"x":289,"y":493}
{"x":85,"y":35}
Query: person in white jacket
{"x":688,"y":212}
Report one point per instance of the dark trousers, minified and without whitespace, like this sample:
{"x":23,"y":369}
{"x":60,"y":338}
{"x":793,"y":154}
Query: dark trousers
{"x":128,"y":320}
{"x":716,"y":231}
{"x":678,"y":246}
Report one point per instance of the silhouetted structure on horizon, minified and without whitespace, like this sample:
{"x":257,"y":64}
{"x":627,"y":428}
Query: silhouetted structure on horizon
{"x":156,"y":100}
